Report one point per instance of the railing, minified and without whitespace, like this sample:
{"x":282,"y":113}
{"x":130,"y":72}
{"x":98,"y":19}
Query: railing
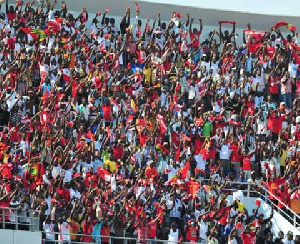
{"x":97,"y":239}
{"x":291,"y":216}
{"x":32,"y":225}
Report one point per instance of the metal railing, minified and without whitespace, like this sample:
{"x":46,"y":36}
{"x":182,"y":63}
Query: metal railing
{"x":32,"y":216}
{"x":290,"y":215}
{"x":97,"y":239}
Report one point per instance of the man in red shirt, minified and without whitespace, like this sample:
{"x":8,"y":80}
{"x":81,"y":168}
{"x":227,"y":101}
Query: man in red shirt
{"x":248,"y":235}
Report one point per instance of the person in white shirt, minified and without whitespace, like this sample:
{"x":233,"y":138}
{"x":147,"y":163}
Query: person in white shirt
{"x":48,"y":227}
{"x":225,"y":152}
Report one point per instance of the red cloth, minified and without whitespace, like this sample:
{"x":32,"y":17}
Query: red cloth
{"x":106,"y":112}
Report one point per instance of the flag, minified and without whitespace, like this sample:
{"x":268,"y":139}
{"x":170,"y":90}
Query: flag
{"x":226,"y":22}
{"x":43,"y":73}
{"x":65,"y":40}
{"x":28,"y":31}
{"x":104,"y":174}
{"x":137,"y":7}
{"x":185,"y":170}
{"x":66,"y":75}
{"x":193,"y":188}
{"x":177,"y":155}
{"x":175,"y":98}
{"x":173,"y":180}
{"x":90,"y":135}
{"x":133,"y":159}
{"x":163,"y":127}
{"x":37,"y":34}
{"x":41,"y":34}
{"x":287,"y":25}
{"x":133,"y":106}
{"x":177,"y":15}
{"x":54,"y":25}
{"x":114,"y":102}
{"x":256,"y":35}
{"x":150,"y":172}
{"x":101,"y":44}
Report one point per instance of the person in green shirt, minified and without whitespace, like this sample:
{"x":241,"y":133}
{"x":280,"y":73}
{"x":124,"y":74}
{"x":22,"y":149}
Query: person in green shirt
{"x":207,"y":128}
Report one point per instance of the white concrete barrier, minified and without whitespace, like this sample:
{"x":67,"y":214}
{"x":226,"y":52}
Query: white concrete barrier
{"x":19,"y":236}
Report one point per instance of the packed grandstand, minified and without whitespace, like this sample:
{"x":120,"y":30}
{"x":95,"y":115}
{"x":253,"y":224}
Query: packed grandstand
{"x":136,"y":130}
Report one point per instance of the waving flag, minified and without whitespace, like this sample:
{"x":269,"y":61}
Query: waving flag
{"x":226,"y":22}
{"x":162,"y":123}
{"x":137,"y":8}
{"x":133,"y":106}
{"x":54,"y":25}
{"x":104,"y":174}
{"x":36,"y":34}
{"x":286,"y":24}
{"x":256,"y":35}
{"x":66,"y":75}
{"x":114,"y":102}
{"x":185,"y":170}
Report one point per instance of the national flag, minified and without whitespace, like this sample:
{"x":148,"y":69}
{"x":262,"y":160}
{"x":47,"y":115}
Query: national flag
{"x":90,"y":135}
{"x":101,"y":44}
{"x":193,"y":188}
{"x":104,"y":174}
{"x":185,"y":170}
{"x":177,"y":155}
{"x":150,"y":172}
{"x":133,"y":106}
{"x":226,"y":22}
{"x":65,"y":40}
{"x":173,"y":180}
{"x":54,"y":25}
{"x":286,"y":24}
{"x":133,"y":159}
{"x":28,"y":31}
{"x":177,"y":15}
{"x":161,"y":121}
{"x":43,"y":72}
{"x":137,"y":7}
{"x":256,"y":35}
{"x":41,"y":34}
{"x":66,"y":75}
{"x":37,"y":34}
{"x":175,"y":98}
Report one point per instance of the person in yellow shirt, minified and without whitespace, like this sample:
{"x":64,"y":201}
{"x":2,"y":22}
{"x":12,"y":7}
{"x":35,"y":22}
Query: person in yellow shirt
{"x":283,"y":156}
{"x":74,"y":227}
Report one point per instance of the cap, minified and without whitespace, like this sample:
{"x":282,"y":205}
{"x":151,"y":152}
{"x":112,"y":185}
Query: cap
{"x":289,"y":233}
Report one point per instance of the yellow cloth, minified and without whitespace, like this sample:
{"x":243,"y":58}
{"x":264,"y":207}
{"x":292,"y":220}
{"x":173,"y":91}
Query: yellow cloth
{"x":283,"y":157}
{"x":74,"y":228}
{"x":112,"y":166}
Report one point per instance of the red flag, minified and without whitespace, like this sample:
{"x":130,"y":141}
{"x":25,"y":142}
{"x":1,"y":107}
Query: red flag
{"x":193,"y":188}
{"x":107,"y":10}
{"x":287,"y":25}
{"x":177,"y":155}
{"x":163,"y":127}
{"x":226,"y":22}
{"x":114,"y":102}
{"x":150,"y":172}
{"x":175,"y":98}
{"x":185,"y":170}
{"x":137,"y":8}
{"x":177,"y":15}
{"x":90,"y":135}
{"x":104,"y":174}
{"x":257,"y":35}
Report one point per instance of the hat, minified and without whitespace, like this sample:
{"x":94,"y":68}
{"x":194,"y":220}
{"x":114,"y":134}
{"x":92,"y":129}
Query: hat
{"x":282,"y":104}
{"x":290,"y":233}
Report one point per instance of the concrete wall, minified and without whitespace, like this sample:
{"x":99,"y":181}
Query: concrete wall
{"x":20,"y":237}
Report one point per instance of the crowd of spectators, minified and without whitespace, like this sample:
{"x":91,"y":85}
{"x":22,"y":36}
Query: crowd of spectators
{"x":137,"y":129}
